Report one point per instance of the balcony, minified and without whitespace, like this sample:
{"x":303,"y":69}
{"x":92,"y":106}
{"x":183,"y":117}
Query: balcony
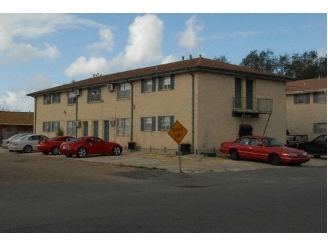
{"x":251,"y":106}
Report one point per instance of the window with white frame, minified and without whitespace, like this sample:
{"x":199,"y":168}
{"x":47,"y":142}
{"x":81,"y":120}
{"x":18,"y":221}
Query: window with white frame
{"x":123,"y":126}
{"x":148,"y":123}
{"x":94,"y":94}
{"x":47,"y":99}
{"x":46,"y":126}
{"x":71,"y":128}
{"x":166,"y":83}
{"x":56,"y":98}
{"x":123,"y":91}
{"x":148,"y":85}
{"x":71,"y":97}
{"x":55,"y":126}
{"x":319,"y":97}
{"x":165,"y":122}
{"x":320,"y":128}
{"x":303,"y":98}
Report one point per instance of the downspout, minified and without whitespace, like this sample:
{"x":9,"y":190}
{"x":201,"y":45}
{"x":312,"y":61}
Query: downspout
{"x":76,"y":112}
{"x":132,"y":109}
{"x":192,"y":113}
{"x":35,"y":107}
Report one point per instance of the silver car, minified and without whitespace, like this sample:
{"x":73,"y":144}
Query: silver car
{"x":6,"y":142}
{"x":26,"y":144}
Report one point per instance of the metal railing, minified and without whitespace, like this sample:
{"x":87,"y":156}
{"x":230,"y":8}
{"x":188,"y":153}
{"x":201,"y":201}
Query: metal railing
{"x":252,"y":105}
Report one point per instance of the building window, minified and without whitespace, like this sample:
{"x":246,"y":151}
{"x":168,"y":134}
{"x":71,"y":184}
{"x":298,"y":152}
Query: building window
{"x":319,"y":128}
{"x":47,"y":99}
{"x":165,"y":122}
{"x":94,"y":94}
{"x":71,"y":128}
{"x":123,"y":91}
{"x":166,"y":83}
{"x":303,"y":98}
{"x":148,"y":123}
{"x":55,"y":126}
{"x":51,"y":126}
{"x":71,"y":97}
{"x":56,"y":98}
{"x":123,"y":126}
{"x":46,"y":126}
{"x":148,"y":85}
{"x":319,"y":97}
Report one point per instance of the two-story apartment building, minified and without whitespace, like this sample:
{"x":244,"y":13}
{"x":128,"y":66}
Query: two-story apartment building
{"x":209,"y":98}
{"x":306,"y":106}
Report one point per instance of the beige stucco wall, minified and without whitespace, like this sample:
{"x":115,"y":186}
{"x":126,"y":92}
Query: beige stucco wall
{"x":215,"y":122}
{"x":301,"y":117}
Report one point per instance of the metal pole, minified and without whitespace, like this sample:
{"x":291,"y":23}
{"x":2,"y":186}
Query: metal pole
{"x":179,"y":158}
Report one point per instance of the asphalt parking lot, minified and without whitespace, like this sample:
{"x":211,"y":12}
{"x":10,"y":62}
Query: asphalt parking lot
{"x":170,"y":162}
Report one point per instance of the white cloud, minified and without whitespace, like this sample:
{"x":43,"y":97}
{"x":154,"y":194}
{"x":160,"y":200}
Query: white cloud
{"x":27,"y":27}
{"x":144,"y":46}
{"x":17,"y":101}
{"x":145,"y":40}
{"x":189,"y":38}
{"x":106,"y":41}
{"x":168,"y":59}
{"x":26,"y":52}
{"x":15,"y":97}
{"x":83,"y":66}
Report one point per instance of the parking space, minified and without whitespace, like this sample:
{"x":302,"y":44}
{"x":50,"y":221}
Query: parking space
{"x":170,"y":162}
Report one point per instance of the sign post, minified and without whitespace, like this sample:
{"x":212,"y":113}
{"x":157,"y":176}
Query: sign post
{"x":178,"y":132}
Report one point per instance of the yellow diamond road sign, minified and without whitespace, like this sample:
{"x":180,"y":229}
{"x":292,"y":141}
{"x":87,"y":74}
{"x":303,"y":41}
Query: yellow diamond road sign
{"x":177,"y":132}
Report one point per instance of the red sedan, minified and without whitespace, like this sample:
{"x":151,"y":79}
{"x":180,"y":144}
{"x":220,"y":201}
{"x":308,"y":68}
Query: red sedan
{"x":263,"y":149}
{"x":84,"y":146}
{"x":52,"y":144}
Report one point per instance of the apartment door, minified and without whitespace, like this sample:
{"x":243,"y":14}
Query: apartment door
{"x":249,"y":94}
{"x":85,"y":128}
{"x":106,"y":130}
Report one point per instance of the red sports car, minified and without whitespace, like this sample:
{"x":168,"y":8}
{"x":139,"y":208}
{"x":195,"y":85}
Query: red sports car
{"x":263,"y":149}
{"x":90,"y":145}
{"x":52,"y":144}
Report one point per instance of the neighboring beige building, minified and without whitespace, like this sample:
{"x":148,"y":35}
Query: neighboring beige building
{"x":306,"y":106}
{"x":209,"y":98}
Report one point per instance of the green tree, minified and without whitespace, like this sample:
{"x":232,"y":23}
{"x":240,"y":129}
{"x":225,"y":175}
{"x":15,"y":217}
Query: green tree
{"x":299,"y":66}
{"x":221,"y":58}
{"x":60,"y":132}
{"x":264,"y":60}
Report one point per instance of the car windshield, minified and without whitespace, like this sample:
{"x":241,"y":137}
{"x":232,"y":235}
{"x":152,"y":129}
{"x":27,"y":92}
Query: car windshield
{"x":76,"y":140}
{"x":272,"y":142}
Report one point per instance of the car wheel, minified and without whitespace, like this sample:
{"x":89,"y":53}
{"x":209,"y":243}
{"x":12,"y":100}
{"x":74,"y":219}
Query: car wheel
{"x":234,"y":154}
{"x":316,"y":156}
{"x":55,"y":151}
{"x":81,"y":152}
{"x":27,"y":149}
{"x":45,"y":152}
{"x":274,"y":159}
{"x":68,"y":155}
{"x":116,"y":150}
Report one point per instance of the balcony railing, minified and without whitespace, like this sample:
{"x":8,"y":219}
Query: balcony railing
{"x":252,"y":105}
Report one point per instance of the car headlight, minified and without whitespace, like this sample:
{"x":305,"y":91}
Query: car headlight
{"x":289,"y":154}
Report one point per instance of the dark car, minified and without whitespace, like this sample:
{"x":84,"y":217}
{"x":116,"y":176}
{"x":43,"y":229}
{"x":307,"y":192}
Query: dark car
{"x":263,"y":149}
{"x":317,"y":147}
{"x":52,"y":144}
{"x":90,"y":145}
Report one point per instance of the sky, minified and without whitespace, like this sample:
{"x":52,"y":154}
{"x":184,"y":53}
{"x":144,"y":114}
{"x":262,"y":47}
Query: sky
{"x":51,"y":48}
